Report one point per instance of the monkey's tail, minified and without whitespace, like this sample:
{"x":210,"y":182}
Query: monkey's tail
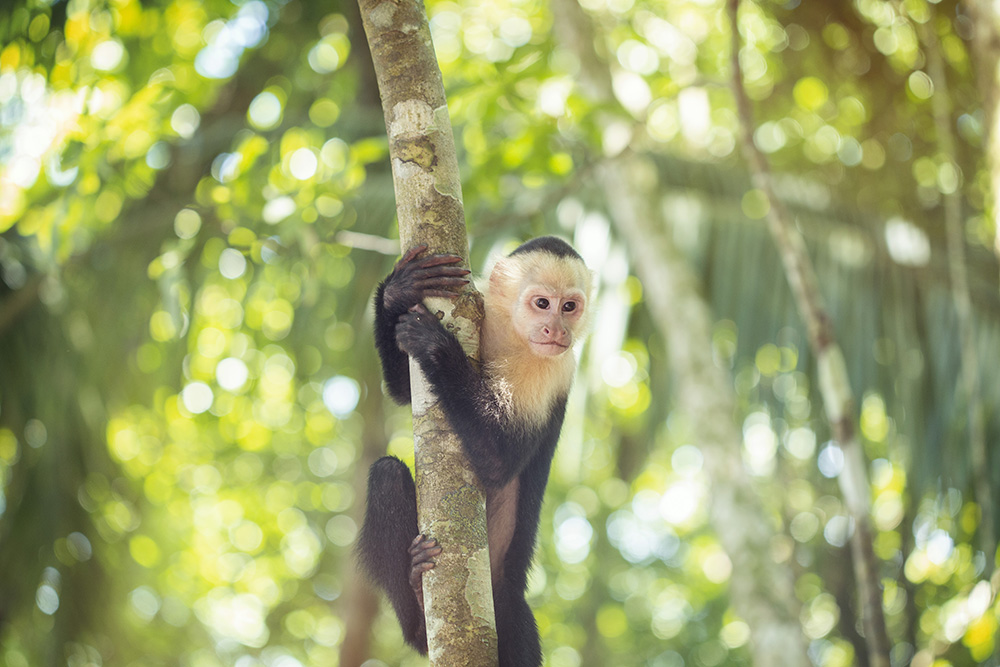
{"x":389,"y":527}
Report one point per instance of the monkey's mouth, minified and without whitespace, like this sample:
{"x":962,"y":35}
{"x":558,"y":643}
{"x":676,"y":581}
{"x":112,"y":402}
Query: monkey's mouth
{"x":548,"y":348}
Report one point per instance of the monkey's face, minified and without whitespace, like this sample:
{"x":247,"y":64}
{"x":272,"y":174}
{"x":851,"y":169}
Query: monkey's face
{"x":547,"y":318}
{"x":546,"y":297}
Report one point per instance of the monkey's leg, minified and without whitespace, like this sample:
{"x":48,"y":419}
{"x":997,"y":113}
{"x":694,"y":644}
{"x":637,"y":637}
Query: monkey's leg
{"x":385,"y":539}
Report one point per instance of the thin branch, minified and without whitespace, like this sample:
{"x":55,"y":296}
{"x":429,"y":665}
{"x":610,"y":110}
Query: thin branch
{"x":371,"y":242}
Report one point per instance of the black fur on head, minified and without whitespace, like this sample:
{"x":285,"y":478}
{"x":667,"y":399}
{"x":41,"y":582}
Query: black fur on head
{"x":550,"y":244}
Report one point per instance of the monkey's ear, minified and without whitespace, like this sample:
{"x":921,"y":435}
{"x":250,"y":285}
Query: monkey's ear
{"x":500,"y":277}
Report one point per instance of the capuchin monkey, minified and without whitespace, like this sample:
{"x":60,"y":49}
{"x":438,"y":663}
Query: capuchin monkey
{"x":508,"y":418}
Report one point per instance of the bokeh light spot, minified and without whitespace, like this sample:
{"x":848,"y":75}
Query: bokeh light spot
{"x":232,"y":263}
{"x":232,"y":373}
{"x":303,"y":164}
{"x":265,"y":111}
{"x":197,"y":397}
{"x":341,"y":395}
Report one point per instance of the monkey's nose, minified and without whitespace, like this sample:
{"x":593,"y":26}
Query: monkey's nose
{"x":555,"y":334}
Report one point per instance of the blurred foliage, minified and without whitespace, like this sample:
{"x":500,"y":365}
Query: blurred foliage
{"x":194,"y":209}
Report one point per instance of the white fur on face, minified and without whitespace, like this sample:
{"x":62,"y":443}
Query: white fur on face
{"x":529,"y":378}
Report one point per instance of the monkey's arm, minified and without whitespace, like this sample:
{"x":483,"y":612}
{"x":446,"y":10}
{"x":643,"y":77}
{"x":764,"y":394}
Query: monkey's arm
{"x":410,"y":282}
{"x":395,"y":363}
{"x":498,"y":444}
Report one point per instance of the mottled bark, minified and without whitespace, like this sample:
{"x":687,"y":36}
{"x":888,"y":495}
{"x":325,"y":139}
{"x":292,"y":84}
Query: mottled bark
{"x":834,"y":384}
{"x":761,"y":590}
{"x":458,"y":599}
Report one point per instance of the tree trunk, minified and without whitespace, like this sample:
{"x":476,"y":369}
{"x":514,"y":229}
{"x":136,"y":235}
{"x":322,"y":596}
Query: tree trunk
{"x":761,"y":590}
{"x":458,"y":599}
{"x":834,"y":384}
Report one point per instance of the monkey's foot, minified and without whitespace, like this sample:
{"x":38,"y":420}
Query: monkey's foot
{"x":422,"y":551}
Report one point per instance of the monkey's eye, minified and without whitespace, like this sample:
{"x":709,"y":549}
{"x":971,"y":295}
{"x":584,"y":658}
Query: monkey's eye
{"x":569,"y":306}
{"x":542,"y":303}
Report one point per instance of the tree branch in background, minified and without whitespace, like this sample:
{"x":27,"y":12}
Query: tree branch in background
{"x":985,"y":24}
{"x":834,"y":385}
{"x":450,"y":504}
{"x":359,"y":603}
{"x":955,"y":235}
{"x":761,"y":590}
